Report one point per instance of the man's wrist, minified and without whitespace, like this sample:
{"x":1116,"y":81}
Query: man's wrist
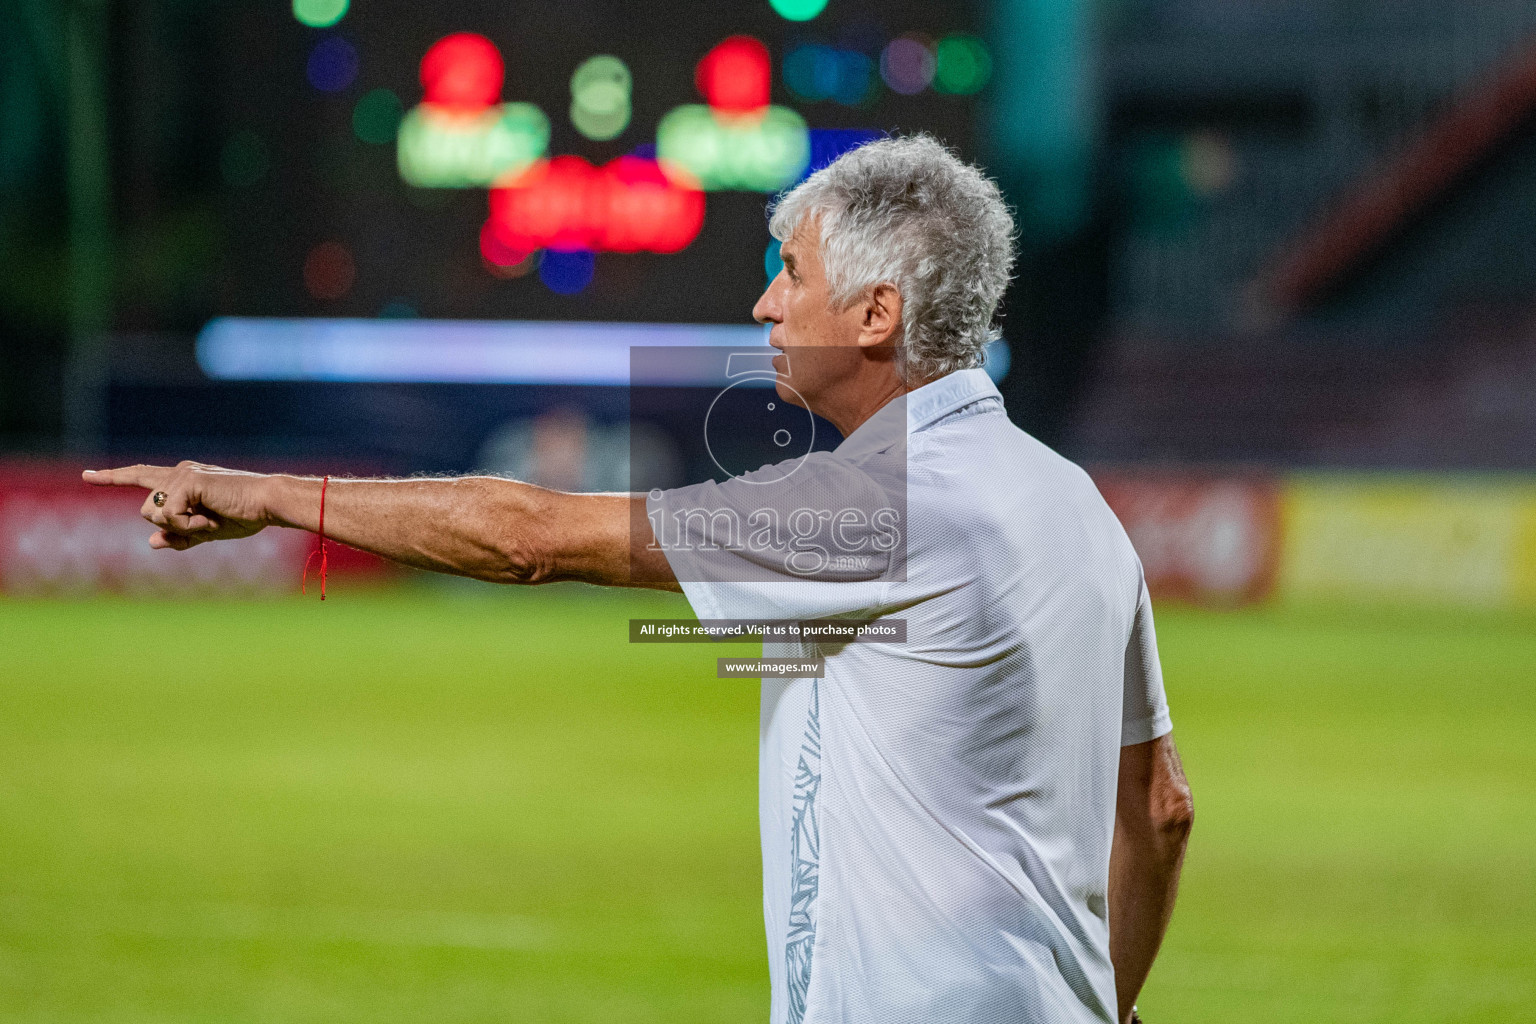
{"x":282,"y":503}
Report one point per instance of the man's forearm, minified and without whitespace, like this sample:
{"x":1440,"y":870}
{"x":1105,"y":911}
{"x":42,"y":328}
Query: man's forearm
{"x":485,"y":527}
{"x":1153,"y":817}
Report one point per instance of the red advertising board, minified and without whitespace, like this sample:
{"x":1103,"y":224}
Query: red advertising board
{"x":59,"y":535}
{"x":1207,"y":539}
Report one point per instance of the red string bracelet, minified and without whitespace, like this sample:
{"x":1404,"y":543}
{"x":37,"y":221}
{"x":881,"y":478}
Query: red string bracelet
{"x":320,"y":550}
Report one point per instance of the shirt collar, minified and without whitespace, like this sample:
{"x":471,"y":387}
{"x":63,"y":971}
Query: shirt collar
{"x":924,"y":407}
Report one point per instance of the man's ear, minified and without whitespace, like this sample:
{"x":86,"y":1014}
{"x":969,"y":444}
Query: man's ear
{"x":882,"y":316}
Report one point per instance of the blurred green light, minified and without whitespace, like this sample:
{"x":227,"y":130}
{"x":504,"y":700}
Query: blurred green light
{"x":376,"y":118}
{"x":320,"y":13}
{"x":761,"y":153}
{"x":600,"y":107}
{"x":604,"y":72}
{"x":964,"y":65}
{"x":244,"y":160}
{"x":799,"y":10}
{"x":440,"y":148}
{"x":598,"y":126}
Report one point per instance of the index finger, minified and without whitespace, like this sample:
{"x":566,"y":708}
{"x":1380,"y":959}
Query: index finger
{"x":127,"y":476}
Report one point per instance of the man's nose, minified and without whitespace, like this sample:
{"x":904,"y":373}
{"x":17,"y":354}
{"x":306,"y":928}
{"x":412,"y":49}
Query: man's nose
{"x":767,"y":308}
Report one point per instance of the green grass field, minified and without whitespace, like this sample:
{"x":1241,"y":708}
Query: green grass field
{"x":440,"y":805}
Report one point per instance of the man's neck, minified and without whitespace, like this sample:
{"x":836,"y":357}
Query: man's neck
{"x":871,"y":401}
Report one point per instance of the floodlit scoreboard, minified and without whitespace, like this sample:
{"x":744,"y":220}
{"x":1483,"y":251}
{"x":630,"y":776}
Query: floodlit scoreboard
{"x":591,"y":161}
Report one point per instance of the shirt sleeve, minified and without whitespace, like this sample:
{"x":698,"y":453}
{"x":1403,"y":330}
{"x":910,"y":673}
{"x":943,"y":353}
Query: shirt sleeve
{"x":819,"y":542}
{"x":1144,"y":714}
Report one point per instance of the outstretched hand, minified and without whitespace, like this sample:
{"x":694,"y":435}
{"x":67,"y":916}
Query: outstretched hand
{"x":199,"y":502}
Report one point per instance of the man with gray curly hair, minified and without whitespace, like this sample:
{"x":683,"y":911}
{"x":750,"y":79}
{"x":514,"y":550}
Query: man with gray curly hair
{"x":905,"y":211}
{"x":971,"y":806}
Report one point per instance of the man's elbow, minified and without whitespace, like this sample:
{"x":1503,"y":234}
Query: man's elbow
{"x":1173,"y":812}
{"x":523,"y":551}
{"x":522,"y":564}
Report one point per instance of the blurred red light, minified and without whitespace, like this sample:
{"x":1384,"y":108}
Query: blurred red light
{"x":463,"y":70}
{"x":627,"y":205}
{"x":734,"y":77}
{"x":496,"y":251}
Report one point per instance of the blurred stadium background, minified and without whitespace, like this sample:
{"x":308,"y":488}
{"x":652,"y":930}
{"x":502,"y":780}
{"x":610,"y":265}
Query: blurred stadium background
{"x":1277,"y":292}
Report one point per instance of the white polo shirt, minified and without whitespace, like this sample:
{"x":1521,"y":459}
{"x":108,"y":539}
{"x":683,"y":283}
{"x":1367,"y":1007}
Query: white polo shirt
{"x":936,"y":815}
